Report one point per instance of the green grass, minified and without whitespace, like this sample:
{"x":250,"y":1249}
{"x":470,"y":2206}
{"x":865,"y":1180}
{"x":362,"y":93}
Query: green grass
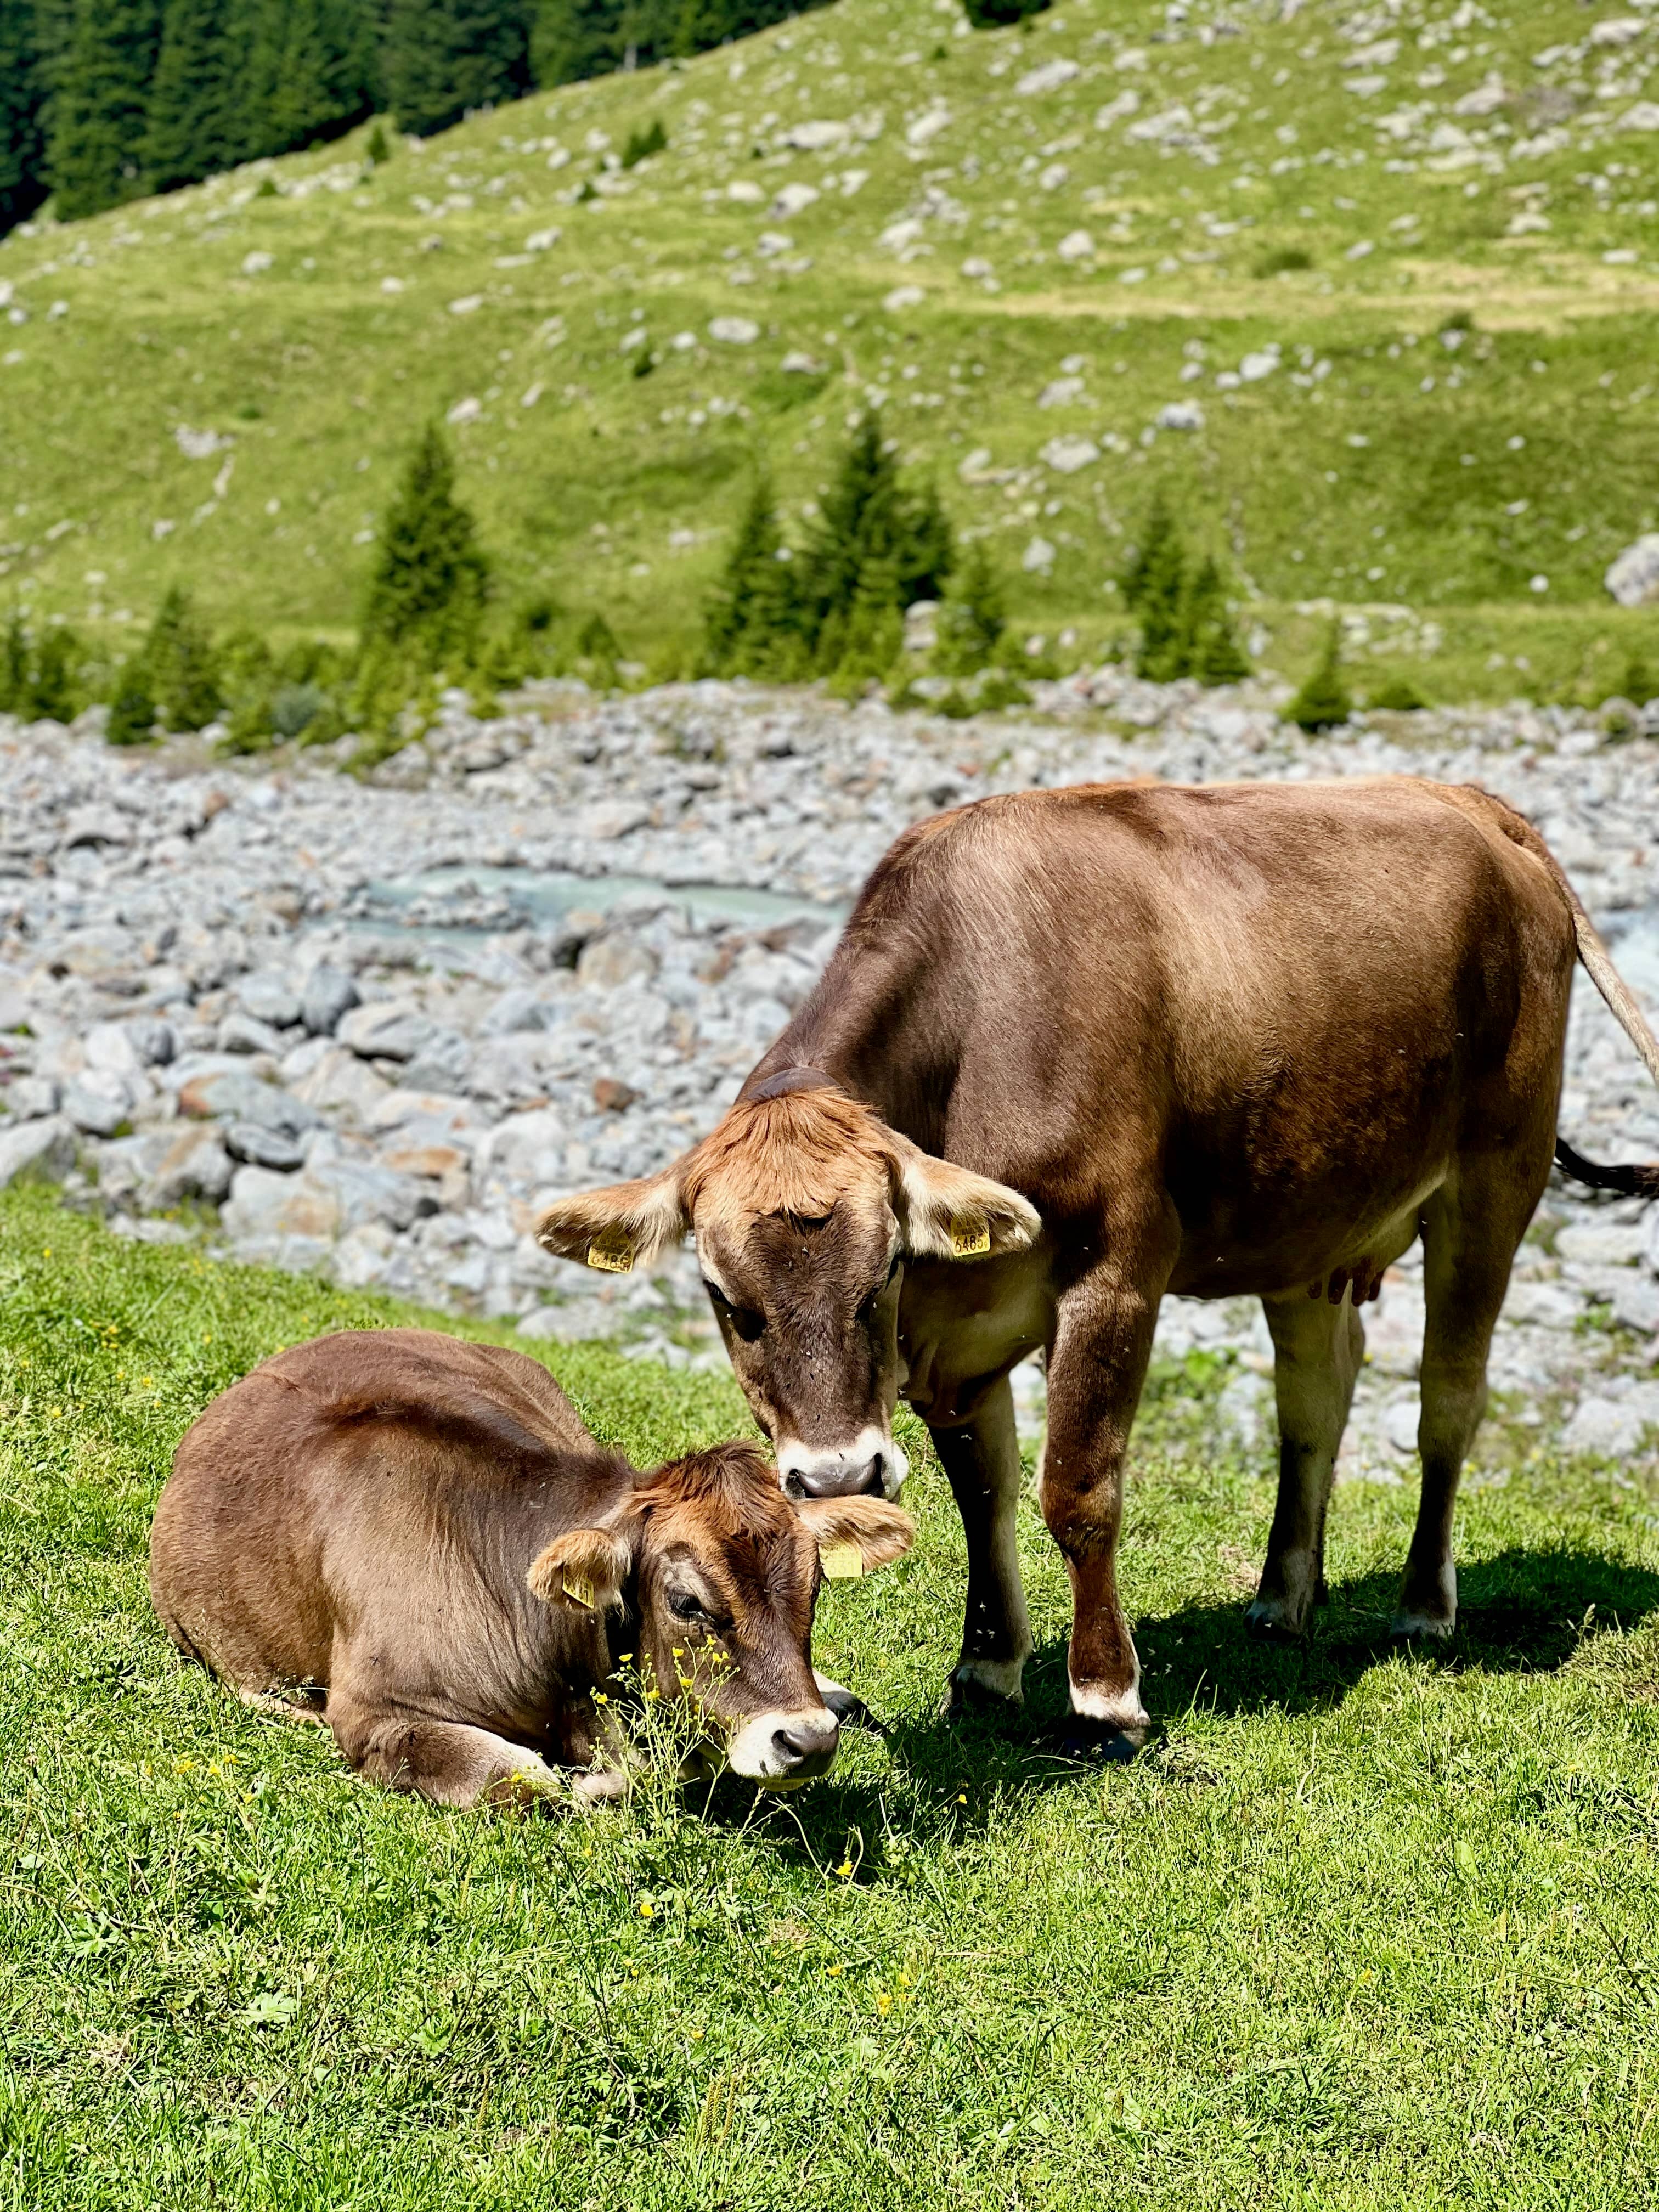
{"x":1360,"y":1930}
{"x":616,"y":490}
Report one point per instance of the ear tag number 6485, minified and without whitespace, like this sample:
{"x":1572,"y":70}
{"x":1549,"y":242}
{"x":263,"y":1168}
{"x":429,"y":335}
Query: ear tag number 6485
{"x":970,"y":1237}
{"x":613,"y":1253}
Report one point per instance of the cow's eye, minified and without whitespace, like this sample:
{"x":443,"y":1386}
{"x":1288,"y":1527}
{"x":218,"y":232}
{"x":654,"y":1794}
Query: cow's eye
{"x":685,"y":1607}
{"x":748,"y":1324}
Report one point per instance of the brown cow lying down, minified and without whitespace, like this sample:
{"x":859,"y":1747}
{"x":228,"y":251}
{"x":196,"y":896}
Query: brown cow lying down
{"x":419,"y":1539}
{"x":1078,"y":1048}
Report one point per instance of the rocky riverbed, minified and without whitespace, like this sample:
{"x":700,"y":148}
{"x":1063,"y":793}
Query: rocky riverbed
{"x":368,"y":1027}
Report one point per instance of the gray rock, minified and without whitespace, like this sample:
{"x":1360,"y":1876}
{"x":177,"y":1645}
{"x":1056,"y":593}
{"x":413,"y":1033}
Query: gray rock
{"x":1633,"y":577}
{"x":39,"y":1152}
{"x":265,"y":1148}
{"x":1400,"y":1424}
{"x":195,"y":1164}
{"x":1604,"y":1244}
{"x":329,"y":995}
{"x":363,"y":1255}
{"x":610,"y":962}
{"x":31,"y":1096}
{"x":443,"y":1063}
{"x":342,"y":1087}
{"x":243,"y":1033}
{"x":392,"y":1030}
{"x":97,"y":1103}
{"x":271,"y":999}
{"x":235,"y":1095}
{"x":1609,"y":1428}
{"x":527,"y":1148}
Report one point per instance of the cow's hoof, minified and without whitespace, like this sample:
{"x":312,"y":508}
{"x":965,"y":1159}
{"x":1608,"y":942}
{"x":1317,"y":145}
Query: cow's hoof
{"x":969,"y":1697}
{"x":1269,"y":1619}
{"x":849,"y":1709}
{"x":1096,"y":1743}
{"x":1426,"y":1631}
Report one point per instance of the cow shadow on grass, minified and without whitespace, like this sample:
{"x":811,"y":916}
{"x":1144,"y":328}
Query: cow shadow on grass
{"x":1520,"y":1612}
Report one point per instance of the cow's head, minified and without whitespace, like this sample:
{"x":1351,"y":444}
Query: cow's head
{"x":806,"y":1207}
{"x":720,"y":1573}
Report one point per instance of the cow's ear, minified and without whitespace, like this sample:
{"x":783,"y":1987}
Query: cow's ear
{"x":944,"y":1212}
{"x":856,"y":1535}
{"x":615,"y":1230}
{"x":584,"y":1569}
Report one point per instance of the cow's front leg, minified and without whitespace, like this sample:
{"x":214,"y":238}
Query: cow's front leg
{"x":1096,"y":1368}
{"x":982,"y":1463}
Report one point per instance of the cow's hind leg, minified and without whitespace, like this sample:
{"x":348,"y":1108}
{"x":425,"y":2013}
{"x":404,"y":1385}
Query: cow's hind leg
{"x":450,"y":1762}
{"x":1317,"y":1351}
{"x":982,"y":1464}
{"x":1471,"y":1227}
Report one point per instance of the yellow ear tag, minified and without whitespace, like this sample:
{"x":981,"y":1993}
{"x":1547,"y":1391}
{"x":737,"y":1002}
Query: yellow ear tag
{"x":842,"y":1563}
{"x":970,"y":1237}
{"x":613,"y":1252}
{"x":580,"y":1591}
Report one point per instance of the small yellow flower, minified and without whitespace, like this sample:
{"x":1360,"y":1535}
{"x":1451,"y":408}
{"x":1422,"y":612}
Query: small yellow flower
{"x":883,"y":2003}
{"x":838,"y":1968}
{"x":695,"y":2034}
{"x":648,"y":1911}
{"x":845,"y":1869}
{"x":962,"y":1798}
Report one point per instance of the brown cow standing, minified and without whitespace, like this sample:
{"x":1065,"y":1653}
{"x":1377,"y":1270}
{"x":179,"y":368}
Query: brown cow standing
{"x":419,"y":1538}
{"x":1108,"y":1043}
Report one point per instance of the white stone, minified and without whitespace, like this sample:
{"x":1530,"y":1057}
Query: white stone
{"x":255,"y":263}
{"x":796,"y":363}
{"x":791,"y":200}
{"x":1602,"y":1243}
{"x":923,"y":128}
{"x":464,"y":411}
{"x":734,"y":329}
{"x":745,"y":192}
{"x":468,"y":304}
{"x":816,"y":136}
{"x":1400,"y":1424}
{"x":197,"y":445}
{"x":1633,"y":577}
{"x":1115,"y":111}
{"x":1062,"y":392}
{"x":1048,"y":76}
{"x":40,"y":1151}
{"x":903,"y":296}
{"x":1038,"y":557}
{"x":1256,"y":366}
{"x":1644,"y":116}
{"x":1617,"y":31}
{"x":1181,"y":415}
{"x":1609,"y":1428}
{"x":1076,"y":245}
{"x":1067,"y":455}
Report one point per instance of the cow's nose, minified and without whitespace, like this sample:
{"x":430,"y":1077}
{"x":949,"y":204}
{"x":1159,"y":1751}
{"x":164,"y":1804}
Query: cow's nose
{"x":805,"y":1744}
{"x":839,"y":1478}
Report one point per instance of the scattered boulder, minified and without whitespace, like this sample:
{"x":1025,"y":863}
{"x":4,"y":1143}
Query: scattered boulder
{"x":1633,"y":577}
{"x":39,"y":1152}
{"x":329,"y":994}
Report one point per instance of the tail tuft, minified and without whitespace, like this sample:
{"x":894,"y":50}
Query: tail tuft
{"x":1633,"y":1180}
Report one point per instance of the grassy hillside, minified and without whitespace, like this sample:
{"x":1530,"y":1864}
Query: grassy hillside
{"x":1361,"y":1930}
{"x":1025,"y":244}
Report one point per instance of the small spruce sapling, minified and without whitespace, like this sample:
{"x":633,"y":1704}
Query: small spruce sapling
{"x":972,"y":618}
{"x":183,"y":670}
{"x":426,"y":594}
{"x":1324,"y":702}
{"x":133,"y":708}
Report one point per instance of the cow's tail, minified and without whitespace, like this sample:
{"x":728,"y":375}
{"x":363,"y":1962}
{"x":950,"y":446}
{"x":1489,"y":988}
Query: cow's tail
{"x":1634,"y":1179}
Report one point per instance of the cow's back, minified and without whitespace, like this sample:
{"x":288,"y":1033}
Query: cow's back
{"x":1263,"y":996}
{"x":362,"y":1489}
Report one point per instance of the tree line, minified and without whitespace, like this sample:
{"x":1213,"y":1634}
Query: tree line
{"x":106,"y":101}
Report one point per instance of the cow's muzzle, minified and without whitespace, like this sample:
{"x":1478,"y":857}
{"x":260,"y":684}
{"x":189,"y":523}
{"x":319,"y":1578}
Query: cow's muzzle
{"x":781,"y":1750}
{"x":871,"y":1466}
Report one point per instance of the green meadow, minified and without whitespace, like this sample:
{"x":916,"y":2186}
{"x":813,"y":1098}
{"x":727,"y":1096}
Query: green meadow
{"x":1435,"y":223}
{"x":1359,"y":1929}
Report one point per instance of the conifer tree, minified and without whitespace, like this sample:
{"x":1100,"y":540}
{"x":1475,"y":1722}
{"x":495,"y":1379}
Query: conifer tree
{"x":326,"y":75}
{"x":1154,"y":586}
{"x":132,"y":709}
{"x":22,"y":102}
{"x":197,"y":123}
{"x":428,"y":586}
{"x":868,"y":518}
{"x":972,"y":619}
{"x":446,"y":58}
{"x":1212,"y":651}
{"x":16,"y":686}
{"x":753,"y":624}
{"x":1324,"y":702}
{"x":99,"y":113}
{"x":180,"y":664}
